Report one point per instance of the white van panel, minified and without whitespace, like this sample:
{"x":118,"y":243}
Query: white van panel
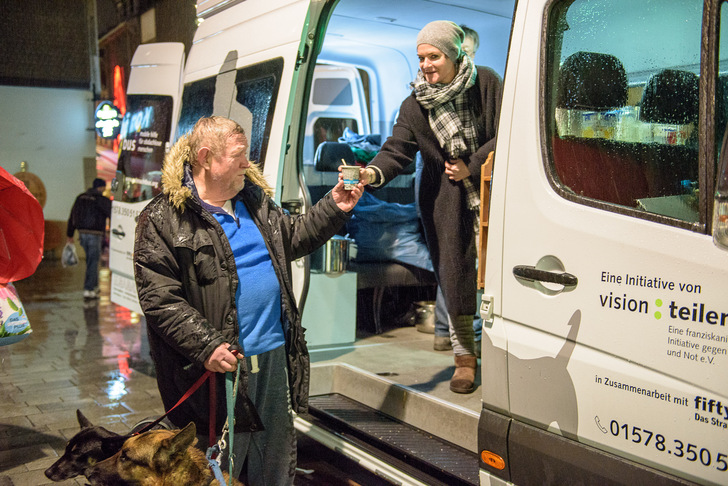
{"x":240,"y":28}
{"x":224,"y":43}
{"x":579,"y":363}
{"x":205,"y":8}
{"x":156,"y":70}
{"x":355,"y":109}
{"x":388,"y":86}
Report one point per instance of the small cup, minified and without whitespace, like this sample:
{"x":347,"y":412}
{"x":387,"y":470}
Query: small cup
{"x":351,"y":176}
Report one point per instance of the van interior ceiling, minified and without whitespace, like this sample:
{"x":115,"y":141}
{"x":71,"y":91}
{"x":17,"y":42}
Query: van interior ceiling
{"x":379,"y":35}
{"x":366,"y":64}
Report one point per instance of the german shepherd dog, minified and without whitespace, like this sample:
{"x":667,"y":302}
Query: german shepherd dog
{"x":83,"y":451}
{"x":157,"y":458}
{"x":90,"y":445}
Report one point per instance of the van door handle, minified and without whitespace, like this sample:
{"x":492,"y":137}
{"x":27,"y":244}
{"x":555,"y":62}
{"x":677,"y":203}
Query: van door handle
{"x":532,"y":274}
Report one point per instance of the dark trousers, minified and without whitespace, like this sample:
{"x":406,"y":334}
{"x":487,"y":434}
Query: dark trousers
{"x":268,"y":457}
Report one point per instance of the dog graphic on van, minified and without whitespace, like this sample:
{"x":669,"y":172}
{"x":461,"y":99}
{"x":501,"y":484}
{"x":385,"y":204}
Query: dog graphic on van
{"x":544,"y":384}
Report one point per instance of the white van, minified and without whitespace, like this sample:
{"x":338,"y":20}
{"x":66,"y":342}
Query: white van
{"x":605,"y":348}
{"x":153,"y":101}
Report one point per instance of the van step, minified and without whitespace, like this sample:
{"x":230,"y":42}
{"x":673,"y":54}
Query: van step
{"x":421,"y":452}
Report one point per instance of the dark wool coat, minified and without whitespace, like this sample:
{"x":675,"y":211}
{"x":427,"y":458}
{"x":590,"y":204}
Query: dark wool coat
{"x":186,"y":279}
{"x":447,"y":221}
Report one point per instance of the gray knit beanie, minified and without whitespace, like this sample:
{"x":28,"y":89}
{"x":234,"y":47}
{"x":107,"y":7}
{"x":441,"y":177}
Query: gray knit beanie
{"x":445,"y":35}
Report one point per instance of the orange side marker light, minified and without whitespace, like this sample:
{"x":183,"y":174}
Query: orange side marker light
{"x":493,"y":460}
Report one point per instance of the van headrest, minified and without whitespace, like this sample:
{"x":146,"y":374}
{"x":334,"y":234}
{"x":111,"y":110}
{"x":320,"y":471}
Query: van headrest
{"x":329,"y":155}
{"x":721,"y":106}
{"x":591,"y":81}
{"x":670,"y":96}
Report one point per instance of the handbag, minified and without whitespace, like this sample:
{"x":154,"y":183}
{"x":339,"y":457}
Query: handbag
{"x":14,"y":325}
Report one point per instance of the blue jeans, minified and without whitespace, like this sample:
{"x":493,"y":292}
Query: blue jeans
{"x":91,"y":244}
{"x":442,"y":327}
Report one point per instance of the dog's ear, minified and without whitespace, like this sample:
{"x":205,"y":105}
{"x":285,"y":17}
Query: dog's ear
{"x":177,"y":444}
{"x":82,"y":420}
{"x":184,"y":438}
{"x":112,"y":445}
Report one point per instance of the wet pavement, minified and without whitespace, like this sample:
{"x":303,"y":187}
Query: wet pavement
{"x":93,"y":356}
{"x":87,"y":355}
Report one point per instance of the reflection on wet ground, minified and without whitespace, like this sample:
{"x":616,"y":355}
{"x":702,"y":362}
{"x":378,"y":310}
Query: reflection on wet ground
{"x":94,"y":356}
{"x":87,"y":355}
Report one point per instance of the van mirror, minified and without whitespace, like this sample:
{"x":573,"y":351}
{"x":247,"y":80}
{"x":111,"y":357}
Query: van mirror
{"x":720,"y":205}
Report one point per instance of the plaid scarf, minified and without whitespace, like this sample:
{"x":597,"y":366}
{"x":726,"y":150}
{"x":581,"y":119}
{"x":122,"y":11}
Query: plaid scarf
{"x":451,"y":119}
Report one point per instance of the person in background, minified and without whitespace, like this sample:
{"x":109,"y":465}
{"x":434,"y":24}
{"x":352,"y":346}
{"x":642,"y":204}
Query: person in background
{"x":443,"y":329}
{"x":212,"y":262}
{"x":450,"y":118}
{"x":89,"y":213}
{"x":471,"y":42}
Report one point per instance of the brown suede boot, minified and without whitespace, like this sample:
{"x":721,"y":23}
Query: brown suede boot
{"x":463,"y":379}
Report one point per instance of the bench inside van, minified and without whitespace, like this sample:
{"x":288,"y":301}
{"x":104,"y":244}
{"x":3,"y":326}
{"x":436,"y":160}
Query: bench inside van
{"x":373,"y":276}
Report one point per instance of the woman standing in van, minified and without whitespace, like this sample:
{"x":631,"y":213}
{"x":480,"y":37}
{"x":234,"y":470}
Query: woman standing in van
{"x":450,"y":118}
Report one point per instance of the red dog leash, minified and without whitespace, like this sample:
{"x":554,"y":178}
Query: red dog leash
{"x":212,"y":435}
{"x":187,"y":395}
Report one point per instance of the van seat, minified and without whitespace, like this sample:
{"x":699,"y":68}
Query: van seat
{"x":329,"y":156}
{"x":721,"y":109}
{"x":597,"y":168}
{"x":591,"y":81}
{"x":374,"y":275}
{"x":601,"y":169}
{"x":670,"y":97}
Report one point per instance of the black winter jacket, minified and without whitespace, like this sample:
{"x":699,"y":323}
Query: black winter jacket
{"x":89,"y":213}
{"x":186,"y":279}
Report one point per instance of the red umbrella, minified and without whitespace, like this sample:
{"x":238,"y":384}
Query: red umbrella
{"x":21,"y":230}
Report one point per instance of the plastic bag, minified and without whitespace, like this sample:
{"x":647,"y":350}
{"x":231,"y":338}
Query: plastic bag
{"x":14,"y":325}
{"x":69,"y":257}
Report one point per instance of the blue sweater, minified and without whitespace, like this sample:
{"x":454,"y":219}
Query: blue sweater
{"x":258,"y":297}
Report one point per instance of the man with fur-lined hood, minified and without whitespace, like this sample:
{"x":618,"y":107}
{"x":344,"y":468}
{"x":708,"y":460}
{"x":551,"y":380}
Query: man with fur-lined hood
{"x":212,"y":260}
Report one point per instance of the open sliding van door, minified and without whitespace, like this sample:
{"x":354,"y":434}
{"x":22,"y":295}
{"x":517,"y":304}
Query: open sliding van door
{"x":244,"y":64}
{"x":606,"y":350}
{"x":153,"y":100}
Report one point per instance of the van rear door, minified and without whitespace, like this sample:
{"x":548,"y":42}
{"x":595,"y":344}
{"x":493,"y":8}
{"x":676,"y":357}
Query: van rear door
{"x":608,"y":294}
{"x":153,"y":99}
{"x":244,"y":64}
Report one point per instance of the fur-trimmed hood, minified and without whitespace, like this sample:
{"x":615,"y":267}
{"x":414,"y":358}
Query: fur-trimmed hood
{"x":173,"y":174}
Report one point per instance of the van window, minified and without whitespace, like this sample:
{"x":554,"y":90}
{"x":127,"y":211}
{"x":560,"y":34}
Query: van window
{"x":144,"y":131}
{"x":330,"y":129}
{"x":721,"y":95}
{"x":252,"y":105}
{"x":622,"y":98}
{"x":332,"y":91}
